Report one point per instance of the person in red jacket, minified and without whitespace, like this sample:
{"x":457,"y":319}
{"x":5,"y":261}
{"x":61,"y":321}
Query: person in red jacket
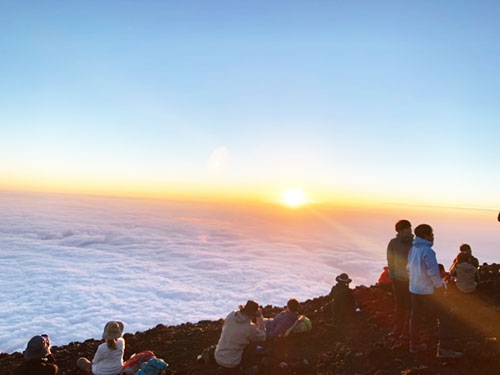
{"x":385,"y":280}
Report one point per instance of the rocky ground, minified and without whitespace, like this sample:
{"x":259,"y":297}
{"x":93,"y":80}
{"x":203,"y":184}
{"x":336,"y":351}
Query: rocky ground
{"x":364,"y":348}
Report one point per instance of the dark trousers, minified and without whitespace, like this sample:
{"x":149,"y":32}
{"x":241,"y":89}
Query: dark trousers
{"x":402,"y":309}
{"x":433,"y":307}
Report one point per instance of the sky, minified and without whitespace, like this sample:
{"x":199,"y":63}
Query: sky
{"x":353,"y":102}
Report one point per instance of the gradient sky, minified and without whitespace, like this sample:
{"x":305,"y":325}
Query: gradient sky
{"x":352,"y":101}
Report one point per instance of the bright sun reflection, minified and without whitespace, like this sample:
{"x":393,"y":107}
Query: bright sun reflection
{"x":293,"y":197}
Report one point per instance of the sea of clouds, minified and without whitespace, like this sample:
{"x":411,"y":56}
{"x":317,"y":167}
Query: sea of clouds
{"x":69,"y":264}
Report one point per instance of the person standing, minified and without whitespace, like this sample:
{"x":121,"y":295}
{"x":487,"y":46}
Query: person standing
{"x":427,"y":294}
{"x":397,"y":260}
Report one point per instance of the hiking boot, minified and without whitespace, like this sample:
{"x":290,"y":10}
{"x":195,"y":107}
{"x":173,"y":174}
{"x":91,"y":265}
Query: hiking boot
{"x":422,"y":347}
{"x":448,"y":353}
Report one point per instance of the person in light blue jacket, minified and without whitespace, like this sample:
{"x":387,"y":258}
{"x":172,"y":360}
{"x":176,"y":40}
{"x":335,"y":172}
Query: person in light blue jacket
{"x":428,"y":293}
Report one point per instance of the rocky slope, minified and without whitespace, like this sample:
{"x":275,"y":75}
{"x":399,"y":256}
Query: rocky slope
{"x":365,"y":348}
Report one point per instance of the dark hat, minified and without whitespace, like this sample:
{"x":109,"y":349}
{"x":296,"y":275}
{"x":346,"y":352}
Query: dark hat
{"x":250,"y":308}
{"x":38,"y":347}
{"x":343,"y":278}
{"x":112,"y":330}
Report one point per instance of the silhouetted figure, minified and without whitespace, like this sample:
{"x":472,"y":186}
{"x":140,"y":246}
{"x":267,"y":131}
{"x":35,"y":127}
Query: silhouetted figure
{"x":38,"y":358}
{"x":427,"y":294}
{"x":397,"y":260}
{"x":466,"y":274}
{"x":466,"y":249}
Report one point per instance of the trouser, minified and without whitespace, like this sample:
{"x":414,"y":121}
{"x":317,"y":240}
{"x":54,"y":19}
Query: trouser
{"x":402,"y":305}
{"x":435,"y":309}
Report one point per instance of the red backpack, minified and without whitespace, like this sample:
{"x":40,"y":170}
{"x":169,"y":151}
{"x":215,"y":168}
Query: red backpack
{"x":134,"y":363}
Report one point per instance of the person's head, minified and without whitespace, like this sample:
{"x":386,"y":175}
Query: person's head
{"x":250,"y":309}
{"x":113,"y":330}
{"x":293,"y":305}
{"x":38,"y":347}
{"x":403,"y":227}
{"x":386,"y":268}
{"x":465,"y":248}
{"x":425,"y":231}
{"x":462,"y":257}
{"x":343,"y":279}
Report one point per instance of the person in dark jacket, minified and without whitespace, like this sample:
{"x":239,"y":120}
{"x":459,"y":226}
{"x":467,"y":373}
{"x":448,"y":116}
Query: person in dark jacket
{"x":284,"y":320}
{"x":397,"y":259}
{"x":38,"y":360}
{"x":344,"y":304}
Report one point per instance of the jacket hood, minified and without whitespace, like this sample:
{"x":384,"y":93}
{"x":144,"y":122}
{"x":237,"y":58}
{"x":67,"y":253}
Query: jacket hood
{"x":420,"y":242}
{"x":239,"y":317}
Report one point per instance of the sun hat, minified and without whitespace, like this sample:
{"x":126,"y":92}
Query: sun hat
{"x":343,"y":278}
{"x":37,"y":348}
{"x":250,"y":308}
{"x":112,"y":330}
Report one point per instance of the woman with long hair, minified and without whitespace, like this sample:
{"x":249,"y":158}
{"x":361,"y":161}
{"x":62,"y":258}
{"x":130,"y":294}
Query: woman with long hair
{"x":108,"y":359}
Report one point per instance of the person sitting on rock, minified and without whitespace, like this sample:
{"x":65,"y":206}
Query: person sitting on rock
{"x":38,"y":358}
{"x":344,"y":304}
{"x":466,"y":274}
{"x":238,"y":331}
{"x":108,"y":359}
{"x":280,"y":323}
{"x":466,"y":249}
{"x":384,"y":280}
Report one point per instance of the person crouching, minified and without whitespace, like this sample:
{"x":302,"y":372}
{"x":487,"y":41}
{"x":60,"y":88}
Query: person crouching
{"x":238,"y":331}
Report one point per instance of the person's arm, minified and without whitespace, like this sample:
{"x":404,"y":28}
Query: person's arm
{"x":390,"y":258}
{"x":259,"y":329}
{"x":432,"y":267}
{"x":99,"y":356}
{"x":453,"y":270}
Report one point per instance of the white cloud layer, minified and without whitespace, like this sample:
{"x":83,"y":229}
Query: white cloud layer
{"x":70,"y":264}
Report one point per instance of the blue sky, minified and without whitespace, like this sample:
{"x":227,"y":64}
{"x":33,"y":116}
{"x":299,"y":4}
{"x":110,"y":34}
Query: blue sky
{"x":385,"y":101}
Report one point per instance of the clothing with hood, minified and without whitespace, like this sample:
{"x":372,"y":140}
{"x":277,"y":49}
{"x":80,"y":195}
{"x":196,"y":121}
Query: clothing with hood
{"x":423,"y":268}
{"x":397,"y":256}
{"x":40,"y":366}
{"x":237,"y":332}
{"x":280,"y":323}
{"x":467,"y":276}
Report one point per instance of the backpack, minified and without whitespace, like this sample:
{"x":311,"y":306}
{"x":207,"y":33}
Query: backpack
{"x":153,"y":367}
{"x":134,"y":363}
{"x":302,"y":324}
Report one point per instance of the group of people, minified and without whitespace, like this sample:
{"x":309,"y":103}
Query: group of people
{"x":419,"y":285}
{"x":422,"y":287}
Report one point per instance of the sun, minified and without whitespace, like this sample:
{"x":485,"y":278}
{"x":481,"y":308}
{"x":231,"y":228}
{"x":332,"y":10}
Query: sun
{"x":293,"y":197}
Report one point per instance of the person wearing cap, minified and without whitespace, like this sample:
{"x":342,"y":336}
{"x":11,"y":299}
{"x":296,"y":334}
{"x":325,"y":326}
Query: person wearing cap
{"x":108,"y":359}
{"x":344,"y":304}
{"x":397,"y":259}
{"x":238,"y":331}
{"x":38,"y":360}
{"x":428,"y":294}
